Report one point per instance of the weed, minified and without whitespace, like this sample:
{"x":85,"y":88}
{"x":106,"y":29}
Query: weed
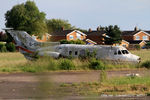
{"x":148,"y":94}
{"x":2,"y":47}
{"x":146,"y":64}
{"x":96,"y":65}
{"x":64,"y":85}
{"x":10,"y":47}
{"x":103,"y":76}
{"x":144,"y":88}
{"x":66,"y":64}
{"x":134,"y":88}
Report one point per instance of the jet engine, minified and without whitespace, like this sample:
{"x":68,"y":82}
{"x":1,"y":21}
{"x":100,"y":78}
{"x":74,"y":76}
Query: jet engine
{"x":49,"y":53}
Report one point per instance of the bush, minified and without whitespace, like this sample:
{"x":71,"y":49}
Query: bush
{"x":64,"y":42}
{"x":3,"y":47}
{"x":134,"y":47}
{"x":96,"y":65}
{"x":137,"y":47}
{"x":148,"y":45}
{"x":66,"y":64}
{"x":148,"y":94}
{"x":146,"y":64}
{"x":72,"y":42}
{"x":10,"y":47}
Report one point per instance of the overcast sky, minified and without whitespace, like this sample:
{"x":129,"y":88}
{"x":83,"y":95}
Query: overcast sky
{"x":91,"y":13}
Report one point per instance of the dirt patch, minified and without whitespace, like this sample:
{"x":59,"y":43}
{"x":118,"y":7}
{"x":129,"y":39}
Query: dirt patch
{"x":29,"y":85}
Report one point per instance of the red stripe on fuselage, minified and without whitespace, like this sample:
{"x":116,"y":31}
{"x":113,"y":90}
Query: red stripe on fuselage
{"x":25,"y":49}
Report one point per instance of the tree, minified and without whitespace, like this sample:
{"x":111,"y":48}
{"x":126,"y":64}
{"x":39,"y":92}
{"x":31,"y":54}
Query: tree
{"x":3,"y":36}
{"x":54,"y":25}
{"x":147,"y":45}
{"x":10,"y":47}
{"x":113,"y":34}
{"x":26,"y":17}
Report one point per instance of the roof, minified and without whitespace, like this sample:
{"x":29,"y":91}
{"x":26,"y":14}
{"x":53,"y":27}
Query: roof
{"x":97,"y":33}
{"x":81,"y":33}
{"x":124,"y":33}
{"x":90,"y":41}
{"x":62,"y":32}
{"x":125,"y":41}
{"x":66,"y":32}
{"x":136,"y":42}
{"x":131,"y":33}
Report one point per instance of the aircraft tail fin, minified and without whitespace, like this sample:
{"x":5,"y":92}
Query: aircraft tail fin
{"x":28,"y":46}
{"x":23,"y":39}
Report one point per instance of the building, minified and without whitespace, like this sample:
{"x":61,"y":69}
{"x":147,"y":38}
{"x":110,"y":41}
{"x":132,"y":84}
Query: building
{"x":91,"y":37}
{"x":68,"y":35}
{"x":90,"y":42}
{"x":44,"y":38}
{"x":96,"y":36}
{"x":130,"y":38}
{"x":135,"y":37}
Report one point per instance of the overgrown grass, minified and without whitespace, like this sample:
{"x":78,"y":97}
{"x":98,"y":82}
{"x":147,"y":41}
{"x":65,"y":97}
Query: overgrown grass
{"x":145,"y":57}
{"x":45,"y":64}
{"x":15,"y":62}
{"x":146,"y":64}
{"x":11,"y":59}
{"x":114,"y":86}
{"x":128,"y":81}
{"x":144,"y":54}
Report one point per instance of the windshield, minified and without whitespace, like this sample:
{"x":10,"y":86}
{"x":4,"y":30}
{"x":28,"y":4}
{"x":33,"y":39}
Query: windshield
{"x":124,"y":52}
{"x":120,"y":52}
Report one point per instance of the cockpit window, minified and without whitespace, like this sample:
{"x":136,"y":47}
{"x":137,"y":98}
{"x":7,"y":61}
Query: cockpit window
{"x":124,"y":51}
{"x":119,"y":52}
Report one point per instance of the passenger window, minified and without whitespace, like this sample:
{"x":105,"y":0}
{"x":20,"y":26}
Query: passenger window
{"x":59,"y":48}
{"x":115,"y":53}
{"x":70,"y":52}
{"x":119,"y":52}
{"x":76,"y":52}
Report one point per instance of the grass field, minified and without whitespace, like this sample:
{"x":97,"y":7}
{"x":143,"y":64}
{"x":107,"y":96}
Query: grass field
{"x":114,"y":86}
{"x":11,"y":59}
{"x":144,"y":54}
{"x":16,"y":62}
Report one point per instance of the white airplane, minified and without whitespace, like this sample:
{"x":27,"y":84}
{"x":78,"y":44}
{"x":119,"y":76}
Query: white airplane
{"x":30,"y":48}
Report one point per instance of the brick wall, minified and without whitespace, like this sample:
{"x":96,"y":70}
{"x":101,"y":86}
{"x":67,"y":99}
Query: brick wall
{"x":97,"y":39}
{"x":74,"y":34}
{"x":57,"y":38}
{"x":128,"y":38}
{"x":141,"y":34}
